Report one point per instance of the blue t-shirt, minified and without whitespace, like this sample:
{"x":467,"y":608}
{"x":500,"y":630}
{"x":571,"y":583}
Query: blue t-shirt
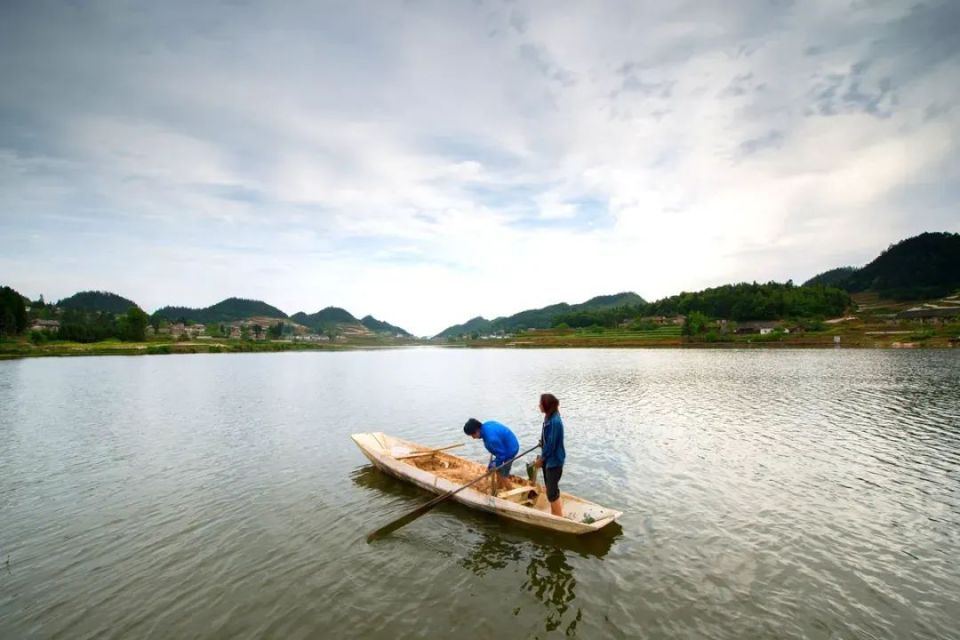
{"x":500,"y":441}
{"x":553,"y":452}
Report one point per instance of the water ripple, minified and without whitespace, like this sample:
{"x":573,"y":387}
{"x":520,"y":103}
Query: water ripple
{"x":788,"y":494}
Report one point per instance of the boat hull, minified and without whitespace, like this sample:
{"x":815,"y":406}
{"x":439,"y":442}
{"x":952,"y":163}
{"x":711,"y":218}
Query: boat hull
{"x":385,"y":452}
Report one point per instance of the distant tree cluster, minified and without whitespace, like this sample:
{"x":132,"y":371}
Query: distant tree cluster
{"x":744,"y":301}
{"x":600,"y":317}
{"x":275,"y":331}
{"x":752,"y":301}
{"x":79,"y":325}
{"x":13,"y":312}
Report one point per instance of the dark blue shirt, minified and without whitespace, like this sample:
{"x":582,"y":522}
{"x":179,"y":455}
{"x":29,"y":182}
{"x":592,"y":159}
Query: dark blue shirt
{"x":553,"y":453}
{"x":500,"y":441}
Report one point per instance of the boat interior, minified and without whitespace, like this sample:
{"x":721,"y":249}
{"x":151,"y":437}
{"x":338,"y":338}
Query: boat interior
{"x":526,"y":492}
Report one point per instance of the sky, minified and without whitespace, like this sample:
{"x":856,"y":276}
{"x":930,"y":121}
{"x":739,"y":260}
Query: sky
{"x":427,"y":162}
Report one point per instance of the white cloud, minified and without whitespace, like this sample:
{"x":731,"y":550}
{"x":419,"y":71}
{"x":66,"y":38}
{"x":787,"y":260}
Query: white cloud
{"x":429,"y":162}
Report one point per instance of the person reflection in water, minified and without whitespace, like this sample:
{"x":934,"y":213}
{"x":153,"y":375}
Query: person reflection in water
{"x":552,"y":453}
{"x":549,"y":577}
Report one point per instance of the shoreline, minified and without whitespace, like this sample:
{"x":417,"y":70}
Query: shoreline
{"x":21,"y":349}
{"x":70,"y":350}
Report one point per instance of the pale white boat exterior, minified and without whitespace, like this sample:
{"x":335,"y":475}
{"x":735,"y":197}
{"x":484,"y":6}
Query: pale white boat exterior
{"x":383,"y":451}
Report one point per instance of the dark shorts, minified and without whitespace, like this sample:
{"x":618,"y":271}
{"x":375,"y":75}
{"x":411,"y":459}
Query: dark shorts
{"x":504,"y":471}
{"x":551,"y":478}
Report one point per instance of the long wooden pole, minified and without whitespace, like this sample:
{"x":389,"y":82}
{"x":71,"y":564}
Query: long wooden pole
{"x":429,"y":451}
{"x":392,"y":526}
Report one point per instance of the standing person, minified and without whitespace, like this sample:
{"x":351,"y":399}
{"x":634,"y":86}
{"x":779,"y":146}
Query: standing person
{"x":552,"y":454}
{"x":499,"y":441}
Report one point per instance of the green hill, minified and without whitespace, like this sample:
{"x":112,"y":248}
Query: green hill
{"x":925,"y":266}
{"x":471,"y":326}
{"x":831,"y":278}
{"x":229,"y":310}
{"x":101,"y":301}
{"x":625,"y":299}
{"x":378,"y":326}
{"x":542,"y":318}
{"x":326,"y":317}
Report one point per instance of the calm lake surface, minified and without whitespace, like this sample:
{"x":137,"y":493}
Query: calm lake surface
{"x":767,"y":494}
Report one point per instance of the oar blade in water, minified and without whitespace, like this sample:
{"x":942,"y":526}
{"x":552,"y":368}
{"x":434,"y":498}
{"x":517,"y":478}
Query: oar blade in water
{"x":403,"y":521}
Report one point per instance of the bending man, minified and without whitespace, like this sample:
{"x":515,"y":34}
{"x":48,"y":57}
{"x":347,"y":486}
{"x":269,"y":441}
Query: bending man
{"x":499,"y":441}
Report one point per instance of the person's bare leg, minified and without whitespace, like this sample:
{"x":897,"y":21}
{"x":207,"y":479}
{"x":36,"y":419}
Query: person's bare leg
{"x":556,"y":508}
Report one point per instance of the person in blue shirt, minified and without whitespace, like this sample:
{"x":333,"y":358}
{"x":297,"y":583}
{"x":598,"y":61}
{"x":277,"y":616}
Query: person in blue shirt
{"x":552,"y":453}
{"x":499,"y":441}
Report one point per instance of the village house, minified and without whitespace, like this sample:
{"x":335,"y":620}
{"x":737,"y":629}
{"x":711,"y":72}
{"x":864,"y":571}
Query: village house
{"x":677,"y":320}
{"x":763,"y":327}
{"x":314,"y":337}
{"x":50,"y":326}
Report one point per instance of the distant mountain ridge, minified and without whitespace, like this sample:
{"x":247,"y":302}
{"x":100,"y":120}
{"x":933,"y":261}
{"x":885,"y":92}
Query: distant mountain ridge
{"x":541,"y":318}
{"x":924,"y":266}
{"x":229,"y":310}
{"x":478,"y":324}
{"x":326,"y":317}
{"x":378,"y":326}
{"x":100,"y":301}
{"x":237,"y":309}
{"x":341,"y":319}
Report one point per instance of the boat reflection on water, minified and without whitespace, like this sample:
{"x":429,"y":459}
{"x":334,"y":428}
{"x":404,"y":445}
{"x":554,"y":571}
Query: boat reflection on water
{"x":496,"y":545}
{"x":550,"y":577}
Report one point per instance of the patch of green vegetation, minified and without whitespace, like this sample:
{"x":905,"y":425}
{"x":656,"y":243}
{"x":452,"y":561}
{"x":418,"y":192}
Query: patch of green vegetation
{"x":159,"y":349}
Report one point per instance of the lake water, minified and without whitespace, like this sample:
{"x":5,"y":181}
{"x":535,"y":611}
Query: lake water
{"x":766,"y":494}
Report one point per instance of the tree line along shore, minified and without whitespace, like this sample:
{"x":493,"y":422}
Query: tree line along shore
{"x":865,"y":320}
{"x":908,"y":297}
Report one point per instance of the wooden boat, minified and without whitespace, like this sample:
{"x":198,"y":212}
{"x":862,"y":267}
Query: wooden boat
{"x":440,"y":472}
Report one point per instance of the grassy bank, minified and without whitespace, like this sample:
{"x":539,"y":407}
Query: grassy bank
{"x":850,"y":336}
{"x":23,"y":348}
{"x":873,"y":325}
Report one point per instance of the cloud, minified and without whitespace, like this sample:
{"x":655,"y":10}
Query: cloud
{"x":430,"y":161}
